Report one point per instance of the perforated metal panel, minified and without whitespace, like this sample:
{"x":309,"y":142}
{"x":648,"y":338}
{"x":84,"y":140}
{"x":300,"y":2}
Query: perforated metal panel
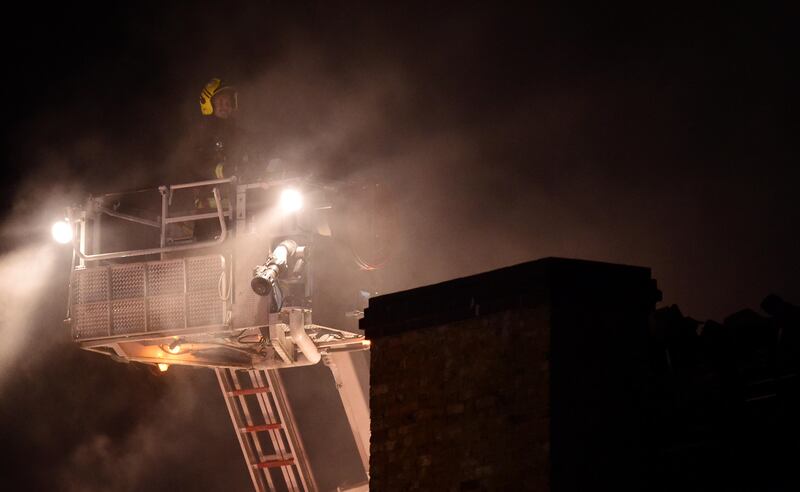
{"x":165,"y":277}
{"x":127,"y":281}
{"x":146,"y":297}
{"x":90,"y":285}
{"x":127,"y":316}
{"x":166,"y":312}
{"x":203,"y":273}
{"x":204,"y":308}
{"x":91,"y":320}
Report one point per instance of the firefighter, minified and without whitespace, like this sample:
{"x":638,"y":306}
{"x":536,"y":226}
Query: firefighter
{"x":219,"y":149}
{"x":222,"y":149}
{"x":221,"y":146}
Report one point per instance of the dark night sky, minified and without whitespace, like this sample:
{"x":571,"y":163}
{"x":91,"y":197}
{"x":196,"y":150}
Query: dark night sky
{"x":653,"y":135}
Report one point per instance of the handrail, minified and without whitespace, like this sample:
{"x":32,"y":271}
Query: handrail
{"x":163,"y":249}
{"x":174,"y":187}
{"x":128,"y":217}
{"x":198,"y":184}
{"x":99,"y":207}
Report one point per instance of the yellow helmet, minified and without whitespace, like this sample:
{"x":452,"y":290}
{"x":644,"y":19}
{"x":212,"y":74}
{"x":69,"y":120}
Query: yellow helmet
{"x":211,"y":89}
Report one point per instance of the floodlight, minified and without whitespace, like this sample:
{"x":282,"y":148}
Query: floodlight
{"x":291,"y":200}
{"x":174,"y":347}
{"x":62,"y":231}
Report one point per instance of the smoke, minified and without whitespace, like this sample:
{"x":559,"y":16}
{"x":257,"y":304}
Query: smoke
{"x":34,"y":270}
{"x":543,"y":132}
{"x":168,"y":447}
{"x":495,"y":153}
{"x":26,"y":275}
{"x":500,"y":137}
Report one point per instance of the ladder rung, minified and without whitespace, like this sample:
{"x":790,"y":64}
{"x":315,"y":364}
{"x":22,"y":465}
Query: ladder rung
{"x":275,"y":463}
{"x":248,"y":391}
{"x":256,"y":428}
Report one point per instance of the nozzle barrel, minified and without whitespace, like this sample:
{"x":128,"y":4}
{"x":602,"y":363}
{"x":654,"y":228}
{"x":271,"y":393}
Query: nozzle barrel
{"x":265,"y":276}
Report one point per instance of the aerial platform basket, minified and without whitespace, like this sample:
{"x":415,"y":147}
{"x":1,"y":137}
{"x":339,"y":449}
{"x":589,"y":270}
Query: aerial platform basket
{"x":189,"y":301}
{"x":144,"y":290}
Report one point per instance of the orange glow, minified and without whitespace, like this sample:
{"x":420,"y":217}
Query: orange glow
{"x":163,"y":367}
{"x":174,"y":350}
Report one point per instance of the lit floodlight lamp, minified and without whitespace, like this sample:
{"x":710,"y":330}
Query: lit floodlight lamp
{"x":174,"y":347}
{"x":291,"y":200}
{"x":62,"y":232}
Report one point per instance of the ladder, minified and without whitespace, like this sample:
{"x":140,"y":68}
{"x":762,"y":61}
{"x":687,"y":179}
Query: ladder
{"x":265,"y":427}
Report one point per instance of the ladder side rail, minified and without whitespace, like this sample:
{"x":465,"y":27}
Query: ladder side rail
{"x":282,"y":451}
{"x":259,"y":484}
{"x":290,"y":427}
{"x":261,"y":455}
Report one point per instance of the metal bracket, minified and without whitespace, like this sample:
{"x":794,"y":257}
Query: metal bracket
{"x":282,"y":345}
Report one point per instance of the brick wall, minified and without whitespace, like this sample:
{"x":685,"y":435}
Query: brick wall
{"x":525,"y":378}
{"x":462,"y":405}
